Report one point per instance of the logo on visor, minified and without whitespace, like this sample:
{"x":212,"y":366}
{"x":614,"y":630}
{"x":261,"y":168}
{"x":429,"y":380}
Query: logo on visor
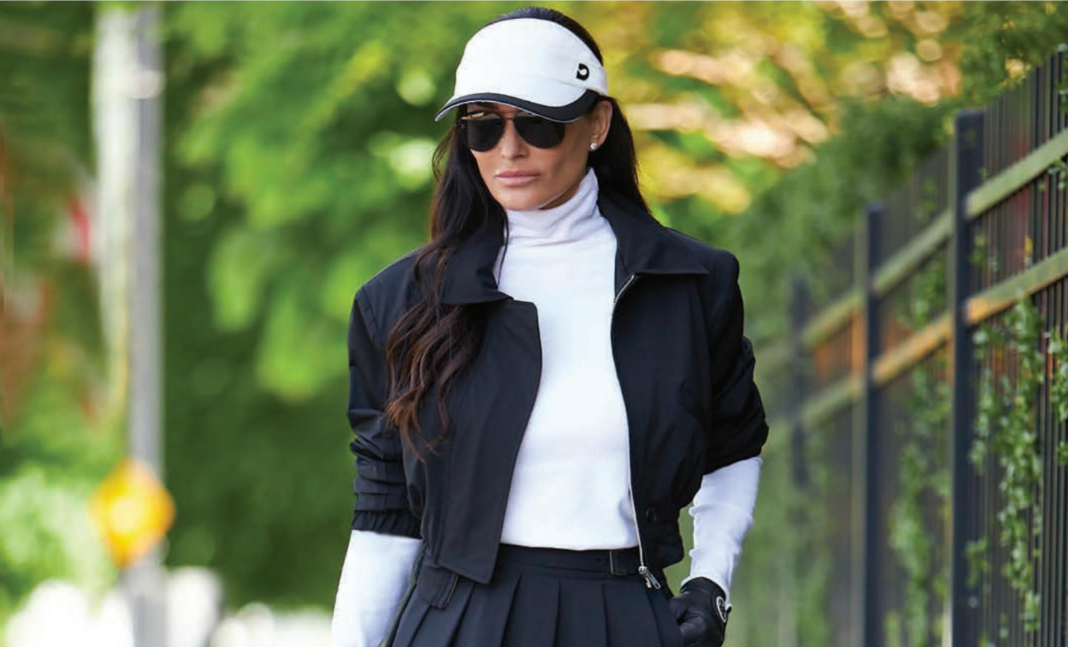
{"x":583,"y":72}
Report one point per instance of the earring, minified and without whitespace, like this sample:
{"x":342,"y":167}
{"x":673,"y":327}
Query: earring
{"x":593,"y":146}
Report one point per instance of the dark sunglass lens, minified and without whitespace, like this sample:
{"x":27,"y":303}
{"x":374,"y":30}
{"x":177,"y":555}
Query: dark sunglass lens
{"x":540,"y":132}
{"x":482,"y":134}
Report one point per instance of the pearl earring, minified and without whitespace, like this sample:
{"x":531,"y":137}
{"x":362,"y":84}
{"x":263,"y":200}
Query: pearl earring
{"x":593,"y":146}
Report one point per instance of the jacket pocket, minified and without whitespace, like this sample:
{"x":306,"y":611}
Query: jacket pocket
{"x":436,"y":584}
{"x":694,"y":432}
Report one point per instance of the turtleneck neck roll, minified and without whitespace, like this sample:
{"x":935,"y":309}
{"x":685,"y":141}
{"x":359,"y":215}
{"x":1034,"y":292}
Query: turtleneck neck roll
{"x":577,"y":218}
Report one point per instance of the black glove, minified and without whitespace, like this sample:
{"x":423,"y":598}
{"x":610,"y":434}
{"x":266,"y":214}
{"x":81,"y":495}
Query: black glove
{"x":700,"y":609}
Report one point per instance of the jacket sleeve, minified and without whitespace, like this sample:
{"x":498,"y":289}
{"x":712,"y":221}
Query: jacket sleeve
{"x":739,"y":428}
{"x":380,"y":486}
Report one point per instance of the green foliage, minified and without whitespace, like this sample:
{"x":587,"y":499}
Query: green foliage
{"x":923,"y":477}
{"x":816,"y":560}
{"x":877,"y":145}
{"x":1006,"y":429}
{"x":1058,"y":170}
{"x":781,"y":588}
{"x":1019,"y":36}
{"x":923,"y":298}
{"x":816,"y":205}
{"x":50,"y":462}
{"x":57,"y":439}
{"x":975,"y":552}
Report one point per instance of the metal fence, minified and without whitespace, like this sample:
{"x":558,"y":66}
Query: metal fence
{"x":928,"y":415}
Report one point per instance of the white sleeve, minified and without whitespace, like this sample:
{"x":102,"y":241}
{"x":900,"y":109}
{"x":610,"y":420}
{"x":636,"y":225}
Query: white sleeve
{"x":374,"y":577}
{"x":722,"y":512}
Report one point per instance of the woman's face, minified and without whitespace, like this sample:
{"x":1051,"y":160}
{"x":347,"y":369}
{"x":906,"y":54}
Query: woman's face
{"x":554,"y":173}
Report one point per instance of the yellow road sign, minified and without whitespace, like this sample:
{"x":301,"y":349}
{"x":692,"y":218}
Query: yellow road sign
{"x":131,"y":510}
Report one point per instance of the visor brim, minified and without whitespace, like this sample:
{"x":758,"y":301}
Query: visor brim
{"x":570,"y":112}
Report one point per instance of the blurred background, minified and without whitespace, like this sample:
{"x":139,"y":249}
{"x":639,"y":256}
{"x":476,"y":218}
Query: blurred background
{"x":191,"y":193}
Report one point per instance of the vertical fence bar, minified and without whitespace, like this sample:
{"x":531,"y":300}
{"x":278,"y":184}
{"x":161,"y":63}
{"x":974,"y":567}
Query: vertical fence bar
{"x":799,"y":376}
{"x":865,"y":553}
{"x":965,"y":164}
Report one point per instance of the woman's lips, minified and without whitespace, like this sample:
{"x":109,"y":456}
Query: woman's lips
{"x":516,"y":180}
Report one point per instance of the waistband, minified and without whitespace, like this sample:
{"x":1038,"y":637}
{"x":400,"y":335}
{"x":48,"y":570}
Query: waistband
{"x":436,"y":584}
{"x":615,"y":561}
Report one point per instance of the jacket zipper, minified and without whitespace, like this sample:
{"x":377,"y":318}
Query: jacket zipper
{"x":650,"y":579}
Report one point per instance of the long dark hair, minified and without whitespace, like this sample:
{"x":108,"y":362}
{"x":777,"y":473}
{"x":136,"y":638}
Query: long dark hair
{"x":433,"y":343}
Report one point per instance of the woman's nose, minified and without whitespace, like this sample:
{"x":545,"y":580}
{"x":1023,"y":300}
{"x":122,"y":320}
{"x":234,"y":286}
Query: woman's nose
{"x":511,"y":143}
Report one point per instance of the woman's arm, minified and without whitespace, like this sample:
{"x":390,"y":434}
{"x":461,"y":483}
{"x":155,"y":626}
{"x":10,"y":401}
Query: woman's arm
{"x":722,"y":513}
{"x":723,"y":506}
{"x":739,"y":427}
{"x":380,"y":485}
{"x":373,"y":579}
{"x":386,"y":536}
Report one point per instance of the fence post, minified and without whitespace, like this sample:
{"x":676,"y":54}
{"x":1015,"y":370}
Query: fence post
{"x":965,"y":161}
{"x":865,"y":586}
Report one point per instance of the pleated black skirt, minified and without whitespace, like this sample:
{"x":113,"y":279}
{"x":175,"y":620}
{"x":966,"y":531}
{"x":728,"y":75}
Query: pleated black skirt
{"x":545,"y":597}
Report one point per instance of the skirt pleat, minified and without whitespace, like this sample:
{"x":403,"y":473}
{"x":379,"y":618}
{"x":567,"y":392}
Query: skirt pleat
{"x":666,"y":625}
{"x":628,"y":600}
{"x":537,"y":603}
{"x":486,"y":617}
{"x":582,"y":617}
{"x":528,"y":604}
{"x":411,"y":621}
{"x":439,"y":626}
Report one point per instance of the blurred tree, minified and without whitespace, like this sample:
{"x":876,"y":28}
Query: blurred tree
{"x":879,"y":143}
{"x":57,"y":438}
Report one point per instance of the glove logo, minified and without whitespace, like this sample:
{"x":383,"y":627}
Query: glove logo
{"x":721,"y":608}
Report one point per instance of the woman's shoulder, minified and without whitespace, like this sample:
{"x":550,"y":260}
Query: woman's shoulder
{"x":721,"y":263}
{"x":719,"y":288}
{"x":389,"y":291}
{"x":395,"y":272}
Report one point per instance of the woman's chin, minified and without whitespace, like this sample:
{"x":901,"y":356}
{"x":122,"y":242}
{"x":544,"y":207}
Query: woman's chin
{"x":518,"y":199}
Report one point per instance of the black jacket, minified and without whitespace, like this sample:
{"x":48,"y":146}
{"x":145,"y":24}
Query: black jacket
{"x":684,"y":366}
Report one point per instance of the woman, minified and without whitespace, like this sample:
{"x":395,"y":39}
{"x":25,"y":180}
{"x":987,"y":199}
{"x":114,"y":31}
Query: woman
{"x":537,"y":391}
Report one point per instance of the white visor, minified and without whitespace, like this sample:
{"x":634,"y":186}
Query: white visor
{"x":531,"y":64}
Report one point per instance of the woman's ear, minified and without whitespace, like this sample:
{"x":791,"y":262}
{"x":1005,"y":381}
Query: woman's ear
{"x":602,"y":120}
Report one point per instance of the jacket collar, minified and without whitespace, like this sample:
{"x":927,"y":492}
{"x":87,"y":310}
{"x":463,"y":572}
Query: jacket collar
{"x":643,"y":246}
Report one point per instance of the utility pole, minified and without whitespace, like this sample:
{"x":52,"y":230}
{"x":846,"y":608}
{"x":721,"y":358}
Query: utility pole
{"x":127,"y":90}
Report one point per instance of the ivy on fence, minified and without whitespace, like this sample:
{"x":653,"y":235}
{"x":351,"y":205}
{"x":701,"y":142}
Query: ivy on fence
{"x":1006,"y":428}
{"x":922,"y":475}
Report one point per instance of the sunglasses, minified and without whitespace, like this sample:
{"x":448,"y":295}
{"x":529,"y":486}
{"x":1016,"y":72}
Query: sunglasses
{"x":482,"y":129}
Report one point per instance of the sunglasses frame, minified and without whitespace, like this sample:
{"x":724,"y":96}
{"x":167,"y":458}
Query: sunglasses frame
{"x":463,"y":120}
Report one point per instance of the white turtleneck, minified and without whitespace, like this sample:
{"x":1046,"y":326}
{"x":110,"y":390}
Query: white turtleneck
{"x":562,"y":259}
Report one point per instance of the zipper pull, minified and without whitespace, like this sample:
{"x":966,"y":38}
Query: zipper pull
{"x":650,"y":580}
